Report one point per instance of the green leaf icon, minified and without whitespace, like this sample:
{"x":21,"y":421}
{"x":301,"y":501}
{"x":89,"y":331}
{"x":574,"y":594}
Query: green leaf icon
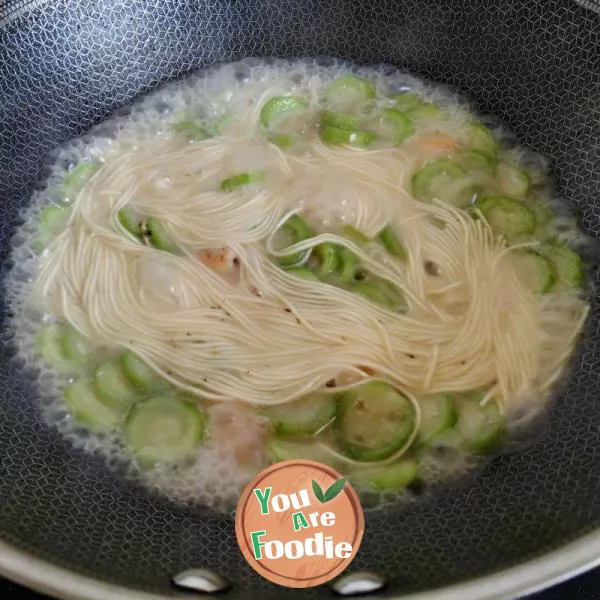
{"x":335,"y":488}
{"x":318,"y":491}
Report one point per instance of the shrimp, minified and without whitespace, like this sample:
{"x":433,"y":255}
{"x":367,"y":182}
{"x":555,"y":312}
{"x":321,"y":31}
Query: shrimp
{"x":433,"y":145}
{"x":438,"y":142}
{"x":220,"y":260}
{"x":238,"y":429}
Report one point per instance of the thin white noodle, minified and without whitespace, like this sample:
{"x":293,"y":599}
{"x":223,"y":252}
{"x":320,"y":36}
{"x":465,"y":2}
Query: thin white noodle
{"x":474,"y":326}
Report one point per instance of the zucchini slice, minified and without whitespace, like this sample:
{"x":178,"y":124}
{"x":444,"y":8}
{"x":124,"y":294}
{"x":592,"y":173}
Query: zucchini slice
{"x":345,"y":137}
{"x":141,"y":375}
{"x":438,"y":414}
{"x":568,"y":265}
{"x":374,"y":421}
{"x":191,"y":130}
{"x":303,"y":273}
{"x":159,"y":237}
{"x":279,"y":108}
{"x":380,"y":292}
{"x":388,"y":478}
{"x":75,"y":179}
{"x":475,"y":160}
{"x":293,"y":231}
{"x":349,"y":91}
{"x":329,"y":257}
{"x":481,"y":428}
{"x":113,"y":387}
{"x":87,"y":408}
{"x":391,"y":242}
{"x":537,"y":271}
{"x":408,"y":101}
{"x":506,"y":216}
{"x":63,"y":348}
{"x":164,"y":429}
{"x":435,"y":178}
{"x":512,"y":180}
{"x":241,"y":180}
{"x":480,"y":137}
{"x":339,"y":120}
{"x":302,"y":417}
{"x":131,"y":221}
{"x":399,"y":123}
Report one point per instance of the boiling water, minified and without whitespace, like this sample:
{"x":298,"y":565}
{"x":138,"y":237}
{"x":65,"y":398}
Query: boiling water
{"x":216,"y":474}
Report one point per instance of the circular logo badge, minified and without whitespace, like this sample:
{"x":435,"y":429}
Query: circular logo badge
{"x":299,"y":523}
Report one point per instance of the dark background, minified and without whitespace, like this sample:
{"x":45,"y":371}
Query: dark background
{"x":585,"y":587}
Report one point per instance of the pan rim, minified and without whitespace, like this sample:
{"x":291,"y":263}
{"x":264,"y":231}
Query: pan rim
{"x":532,"y":576}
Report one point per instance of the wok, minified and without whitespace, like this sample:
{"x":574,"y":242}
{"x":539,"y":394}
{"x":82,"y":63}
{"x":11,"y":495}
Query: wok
{"x":70,"y":527}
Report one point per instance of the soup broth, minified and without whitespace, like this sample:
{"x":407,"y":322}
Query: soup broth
{"x":274,"y":260}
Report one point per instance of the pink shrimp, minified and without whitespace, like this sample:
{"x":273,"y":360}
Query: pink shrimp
{"x":239,"y":429}
{"x":220,"y":260}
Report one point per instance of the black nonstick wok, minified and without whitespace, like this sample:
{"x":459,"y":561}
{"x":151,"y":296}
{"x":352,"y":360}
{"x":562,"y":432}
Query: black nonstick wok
{"x":72,"y":528}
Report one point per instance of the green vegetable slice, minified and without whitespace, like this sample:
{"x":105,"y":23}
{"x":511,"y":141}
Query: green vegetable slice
{"x":435,"y":180}
{"x":355,"y":235}
{"x":544,"y":218}
{"x":50,"y":345}
{"x":141,"y":375}
{"x":42,"y":241}
{"x":480,"y":427}
{"x":426,"y":110}
{"x":63,"y":348}
{"x":76,"y":348}
{"x":293,"y":231}
{"x":480,"y":137}
{"x":130,"y":221}
{"x":438,"y":413}
{"x":408,"y":101}
{"x":241,"y":180}
{"x":391,"y":242}
{"x":339,"y":120}
{"x":302,"y":417}
{"x":381,"y":292}
{"x":507,"y":216}
{"x":375,"y":421}
{"x":283,"y":140}
{"x":55,"y":218}
{"x":75,"y":179}
{"x":349,"y":90}
{"x":163,"y":429}
{"x":350,"y":266}
{"x":159,"y":237}
{"x":192,"y":130}
{"x":281,"y":107}
{"x":282,"y":449}
{"x":475,"y":160}
{"x":303,"y":273}
{"x":329,"y":258}
{"x":113,"y":387}
{"x":568,"y":265}
{"x":512,"y":180}
{"x":537,"y":271}
{"x":341,"y":137}
{"x":87,"y":408}
{"x":389,"y":478}
{"x":400,"y":123}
